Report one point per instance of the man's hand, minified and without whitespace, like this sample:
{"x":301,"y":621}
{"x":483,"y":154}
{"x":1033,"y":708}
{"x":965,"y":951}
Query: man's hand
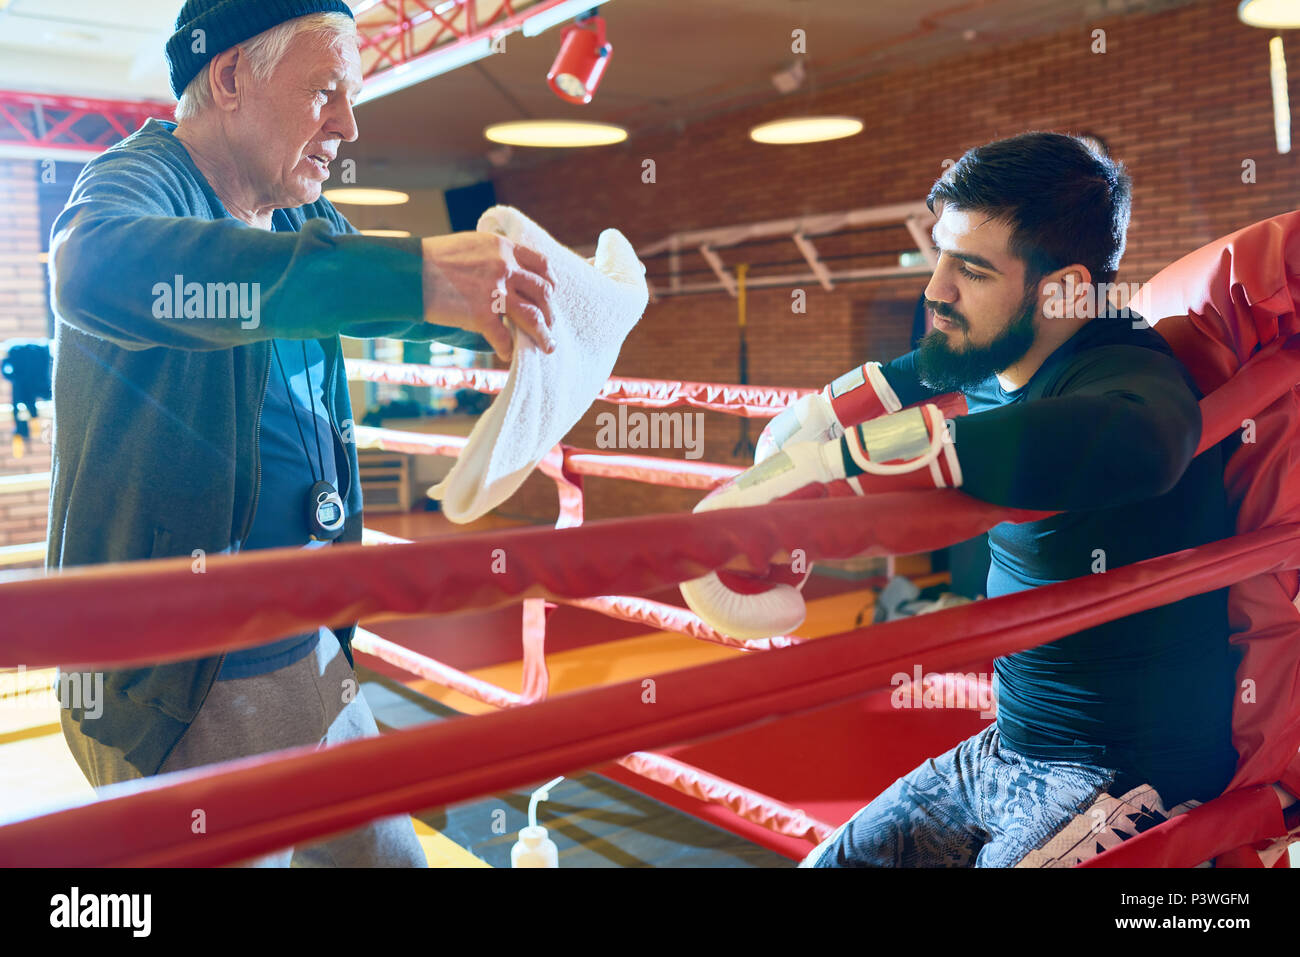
{"x":793,"y":468}
{"x":762,"y":606}
{"x":860,"y":394}
{"x":476,"y":281}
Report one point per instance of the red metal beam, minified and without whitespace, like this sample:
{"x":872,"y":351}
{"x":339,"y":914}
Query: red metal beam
{"x":388,"y":29}
{"x":51,"y":125}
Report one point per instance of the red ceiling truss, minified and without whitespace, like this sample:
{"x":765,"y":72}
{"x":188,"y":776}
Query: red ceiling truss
{"x":394,"y":32}
{"x":388,"y":31}
{"x":69,"y":127}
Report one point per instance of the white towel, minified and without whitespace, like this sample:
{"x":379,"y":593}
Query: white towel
{"x":596,"y":303}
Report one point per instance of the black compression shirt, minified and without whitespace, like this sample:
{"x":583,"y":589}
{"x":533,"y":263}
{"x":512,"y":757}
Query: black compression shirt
{"x":1104,"y":432}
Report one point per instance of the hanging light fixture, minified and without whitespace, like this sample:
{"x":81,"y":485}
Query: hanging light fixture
{"x":357,"y":196}
{"x":555,"y":133}
{"x":581,"y":62}
{"x":573,"y":77}
{"x":809,"y":127}
{"x":1269,"y":14}
{"x":806,"y":129}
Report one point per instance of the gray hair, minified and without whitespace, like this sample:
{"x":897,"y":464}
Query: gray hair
{"x":264,"y":52}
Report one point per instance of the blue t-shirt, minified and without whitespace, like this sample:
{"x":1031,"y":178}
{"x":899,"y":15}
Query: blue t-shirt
{"x":287,"y":478}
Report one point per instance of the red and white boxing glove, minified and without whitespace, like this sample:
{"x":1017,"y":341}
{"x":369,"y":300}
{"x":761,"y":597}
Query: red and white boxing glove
{"x":912,"y":449}
{"x":749,"y":606}
{"x":858,"y":395}
{"x":905,"y":450}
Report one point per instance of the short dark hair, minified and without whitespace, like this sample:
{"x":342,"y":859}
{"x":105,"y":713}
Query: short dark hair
{"x":1065,"y":203}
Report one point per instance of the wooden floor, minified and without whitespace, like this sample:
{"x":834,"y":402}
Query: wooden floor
{"x":640,"y":655}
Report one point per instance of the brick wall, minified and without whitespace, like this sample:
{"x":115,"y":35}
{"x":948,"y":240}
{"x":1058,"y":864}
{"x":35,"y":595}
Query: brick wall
{"x":22,"y":315}
{"x":1182,"y":98}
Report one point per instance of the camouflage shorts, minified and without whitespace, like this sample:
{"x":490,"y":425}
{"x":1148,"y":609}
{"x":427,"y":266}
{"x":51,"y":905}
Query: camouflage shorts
{"x":983,"y":805}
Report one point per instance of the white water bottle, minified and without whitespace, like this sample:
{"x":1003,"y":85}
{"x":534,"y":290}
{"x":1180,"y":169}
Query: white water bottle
{"x":534,"y":848}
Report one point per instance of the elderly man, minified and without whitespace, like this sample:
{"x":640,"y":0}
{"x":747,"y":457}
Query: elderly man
{"x":201,"y":284}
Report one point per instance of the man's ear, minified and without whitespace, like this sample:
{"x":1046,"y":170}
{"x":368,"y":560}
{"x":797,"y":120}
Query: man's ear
{"x":1069,"y":293}
{"x":223,"y":75}
{"x":1085,"y":296}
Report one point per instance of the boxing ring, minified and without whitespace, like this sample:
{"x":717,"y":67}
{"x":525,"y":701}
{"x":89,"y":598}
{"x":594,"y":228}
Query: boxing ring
{"x":565,"y":466}
{"x":1242,"y":347}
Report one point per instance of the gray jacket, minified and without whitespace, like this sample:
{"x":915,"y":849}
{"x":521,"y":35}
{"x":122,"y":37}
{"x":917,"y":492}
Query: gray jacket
{"x":157,"y":413}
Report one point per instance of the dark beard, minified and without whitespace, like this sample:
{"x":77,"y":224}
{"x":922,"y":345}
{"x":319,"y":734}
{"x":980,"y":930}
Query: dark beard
{"x":940,"y":367}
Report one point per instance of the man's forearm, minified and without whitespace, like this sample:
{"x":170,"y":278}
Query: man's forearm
{"x":189,"y":283}
{"x":1075,"y":451}
{"x":1072,"y":452}
{"x":416,"y":332}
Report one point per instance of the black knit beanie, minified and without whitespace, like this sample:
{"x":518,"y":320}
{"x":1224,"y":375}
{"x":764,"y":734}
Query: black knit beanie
{"x":227,"y":23}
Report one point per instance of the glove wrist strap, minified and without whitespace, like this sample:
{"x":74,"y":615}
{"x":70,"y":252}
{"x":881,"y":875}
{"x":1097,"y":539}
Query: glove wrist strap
{"x":861,"y":394}
{"x":907,"y":441}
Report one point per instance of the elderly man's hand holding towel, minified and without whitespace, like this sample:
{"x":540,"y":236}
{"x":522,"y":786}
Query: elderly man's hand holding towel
{"x":595,"y":303}
{"x":474,"y":280}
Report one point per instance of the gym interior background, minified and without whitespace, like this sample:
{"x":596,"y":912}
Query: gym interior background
{"x":1181,"y":95}
{"x":1181,"y":91}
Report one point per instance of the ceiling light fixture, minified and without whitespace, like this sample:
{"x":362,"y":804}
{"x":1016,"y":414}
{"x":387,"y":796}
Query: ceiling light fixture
{"x":806,"y":129}
{"x":806,"y":125}
{"x":555,"y":133}
{"x":1269,"y":14}
{"x":354,"y":196}
{"x":387,"y":233}
{"x":581,"y":62}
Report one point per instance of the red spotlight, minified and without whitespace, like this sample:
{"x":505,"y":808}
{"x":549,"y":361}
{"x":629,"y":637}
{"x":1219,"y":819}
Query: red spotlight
{"x":581,"y":62}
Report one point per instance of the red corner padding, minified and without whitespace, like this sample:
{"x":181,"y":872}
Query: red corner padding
{"x":1228,"y":302}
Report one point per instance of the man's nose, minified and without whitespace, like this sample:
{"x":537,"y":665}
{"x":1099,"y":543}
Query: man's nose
{"x":940,"y":288}
{"x":344,"y":124}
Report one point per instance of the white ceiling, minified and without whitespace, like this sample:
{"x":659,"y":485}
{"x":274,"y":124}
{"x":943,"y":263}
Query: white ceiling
{"x":106,"y":48}
{"x":674,"y":61}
